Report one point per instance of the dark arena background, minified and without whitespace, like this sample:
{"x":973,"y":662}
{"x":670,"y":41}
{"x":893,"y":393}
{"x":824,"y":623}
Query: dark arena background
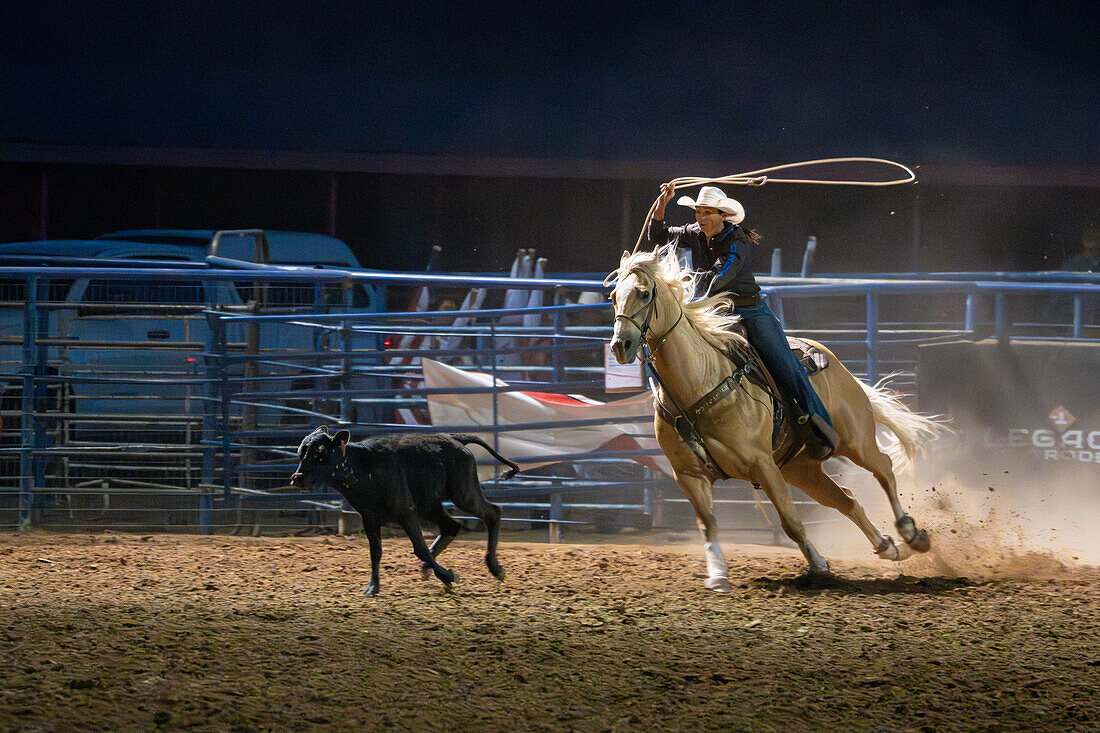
{"x":225,"y":226}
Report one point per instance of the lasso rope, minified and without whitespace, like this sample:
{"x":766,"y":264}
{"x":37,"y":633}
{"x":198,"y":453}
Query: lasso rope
{"x":760,"y":177}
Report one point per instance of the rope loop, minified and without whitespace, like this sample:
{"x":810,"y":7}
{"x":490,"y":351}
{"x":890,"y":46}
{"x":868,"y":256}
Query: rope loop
{"x":759,"y":178}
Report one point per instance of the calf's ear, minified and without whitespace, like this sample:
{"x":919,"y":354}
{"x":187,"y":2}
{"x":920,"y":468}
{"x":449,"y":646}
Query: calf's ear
{"x":342,"y":436}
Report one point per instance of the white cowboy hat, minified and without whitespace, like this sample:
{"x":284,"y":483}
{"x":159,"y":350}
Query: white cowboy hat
{"x":715,"y":198}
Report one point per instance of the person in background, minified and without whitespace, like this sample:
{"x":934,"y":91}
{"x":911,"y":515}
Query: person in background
{"x":1088,"y":259}
{"x":719,"y":248}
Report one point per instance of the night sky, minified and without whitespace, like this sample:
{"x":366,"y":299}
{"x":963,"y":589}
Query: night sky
{"x":984,"y":83}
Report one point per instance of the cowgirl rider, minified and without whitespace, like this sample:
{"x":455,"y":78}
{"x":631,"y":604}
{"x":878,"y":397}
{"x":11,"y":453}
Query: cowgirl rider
{"x":719,"y":247}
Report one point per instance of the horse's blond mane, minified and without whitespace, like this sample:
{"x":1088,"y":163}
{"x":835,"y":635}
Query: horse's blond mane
{"x":712,"y":317}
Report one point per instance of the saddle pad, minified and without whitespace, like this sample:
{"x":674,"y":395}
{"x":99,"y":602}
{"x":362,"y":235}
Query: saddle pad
{"x":813,"y":359}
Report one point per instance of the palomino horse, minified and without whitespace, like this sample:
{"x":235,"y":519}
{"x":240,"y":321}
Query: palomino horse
{"x":687,"y":342}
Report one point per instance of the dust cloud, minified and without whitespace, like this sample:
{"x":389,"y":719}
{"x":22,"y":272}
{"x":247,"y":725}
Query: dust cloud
{"x":985,"y":521}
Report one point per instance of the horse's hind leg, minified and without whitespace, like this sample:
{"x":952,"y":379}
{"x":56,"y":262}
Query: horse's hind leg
{"x":810,"y":476}
{"x":868,"y":455}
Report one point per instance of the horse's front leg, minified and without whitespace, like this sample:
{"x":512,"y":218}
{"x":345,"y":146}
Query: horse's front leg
{"x":696,"y":485}
{"x":766,"y":474}
{"x":697,"y":489}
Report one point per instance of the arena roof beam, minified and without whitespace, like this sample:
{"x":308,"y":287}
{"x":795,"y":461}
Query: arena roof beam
{"x":494,"y":166}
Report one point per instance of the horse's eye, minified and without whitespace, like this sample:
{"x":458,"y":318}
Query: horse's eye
{"x":645,"y":296}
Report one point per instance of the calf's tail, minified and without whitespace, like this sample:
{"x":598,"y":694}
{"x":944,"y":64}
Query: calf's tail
{"x":466,"y":439}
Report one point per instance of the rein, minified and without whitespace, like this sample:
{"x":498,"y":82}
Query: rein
{"x":648,"y":355}
{"x":685,"y":420}
{"x":691,"y":430}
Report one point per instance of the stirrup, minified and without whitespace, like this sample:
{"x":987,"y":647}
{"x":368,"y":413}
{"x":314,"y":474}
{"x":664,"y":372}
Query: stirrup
{"x":823,"y":439}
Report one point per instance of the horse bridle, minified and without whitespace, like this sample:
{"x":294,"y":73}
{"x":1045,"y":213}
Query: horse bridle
{"x":647,"y":359}
{"x":643,"y":328}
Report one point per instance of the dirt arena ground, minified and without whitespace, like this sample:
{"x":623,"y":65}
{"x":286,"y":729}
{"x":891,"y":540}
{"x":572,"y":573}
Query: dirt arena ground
{"x":163,"y":632}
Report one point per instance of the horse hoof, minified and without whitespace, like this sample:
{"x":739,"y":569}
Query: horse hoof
{"x":920,"y":542}
{"x":889,"y":550}
{"x":498,"y":573}
{"x":370,"y":590}
{"x":718,"y":584}
{"x":907,"y":528}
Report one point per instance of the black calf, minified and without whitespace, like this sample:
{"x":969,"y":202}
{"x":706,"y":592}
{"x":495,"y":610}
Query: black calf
{"x":404,"y":478}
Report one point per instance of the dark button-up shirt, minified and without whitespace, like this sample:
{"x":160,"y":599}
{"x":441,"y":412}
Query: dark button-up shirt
{"x":722,"y":256}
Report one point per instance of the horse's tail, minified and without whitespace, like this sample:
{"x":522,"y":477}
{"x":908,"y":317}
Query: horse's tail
{"x":911,"y":428}
{"x":466,"y":439}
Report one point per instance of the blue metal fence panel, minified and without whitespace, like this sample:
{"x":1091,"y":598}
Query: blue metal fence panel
{"x":183,"y":411}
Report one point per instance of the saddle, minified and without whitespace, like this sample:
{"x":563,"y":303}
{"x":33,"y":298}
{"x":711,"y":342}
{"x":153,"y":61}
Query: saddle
{"x":785,"y":438}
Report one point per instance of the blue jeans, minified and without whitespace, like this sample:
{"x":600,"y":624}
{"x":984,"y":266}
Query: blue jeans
{"x":767,"y":337}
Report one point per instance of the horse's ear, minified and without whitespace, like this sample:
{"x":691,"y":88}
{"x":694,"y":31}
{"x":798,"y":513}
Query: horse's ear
{"x":342,"y":436}
{"x":625,"y":255}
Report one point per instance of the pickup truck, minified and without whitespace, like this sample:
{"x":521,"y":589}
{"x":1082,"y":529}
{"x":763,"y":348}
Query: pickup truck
{"x":162,"y":318}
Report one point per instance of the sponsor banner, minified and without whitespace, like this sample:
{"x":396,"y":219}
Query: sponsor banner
{"x":1036,"y":443}
{"x":543,"y":445}
{"x":1031,"y":406}
{"x":1033,"y":384}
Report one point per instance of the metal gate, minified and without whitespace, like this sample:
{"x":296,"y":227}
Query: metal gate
{"x":174,"y":398}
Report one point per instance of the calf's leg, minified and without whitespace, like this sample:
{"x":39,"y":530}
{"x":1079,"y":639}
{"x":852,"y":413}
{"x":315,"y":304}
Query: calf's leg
{"x":411,"y":524}
{"x":449,"y":527}
{"x":466,"y":494}
{"x":491,"y":517}
{"x":374,"y":537}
